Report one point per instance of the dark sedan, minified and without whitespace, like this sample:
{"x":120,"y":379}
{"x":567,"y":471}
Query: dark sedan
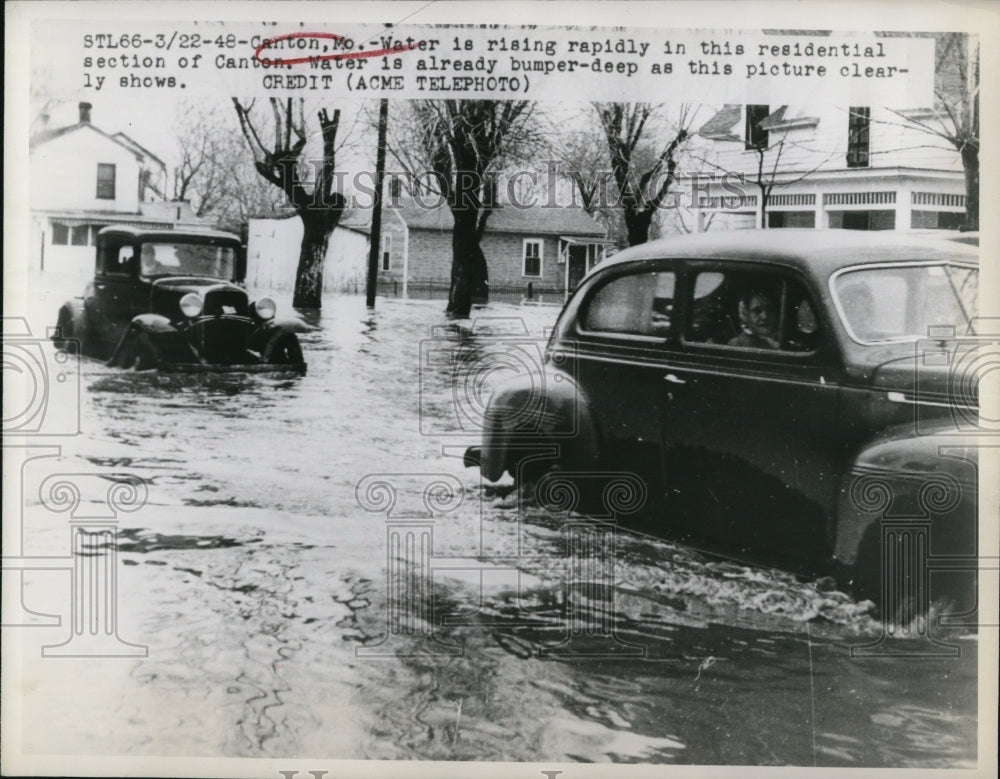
{"x":789,"y":394}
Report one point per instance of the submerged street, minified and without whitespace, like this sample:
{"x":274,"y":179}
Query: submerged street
{"x":263,"y":574}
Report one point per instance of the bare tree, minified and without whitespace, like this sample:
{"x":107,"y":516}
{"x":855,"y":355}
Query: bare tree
{"x":278,"y":158}
{"x":765,"y":177}
{"x":767,"y":165}
{"x":955,"y":114}
{"x":464,"y":144}
{"x":640,"y":175}
{"x":215,"y":174}
{"x":202,"y":175}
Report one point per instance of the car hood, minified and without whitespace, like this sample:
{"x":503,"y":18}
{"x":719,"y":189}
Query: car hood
{"x":166,"y":294}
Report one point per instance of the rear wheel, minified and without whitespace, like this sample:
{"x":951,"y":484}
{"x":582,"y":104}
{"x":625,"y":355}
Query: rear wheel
{"x":70,"y":327}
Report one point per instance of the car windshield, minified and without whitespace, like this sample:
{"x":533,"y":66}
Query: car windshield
{"x":904,"y":303}
{"x":187,"y":259}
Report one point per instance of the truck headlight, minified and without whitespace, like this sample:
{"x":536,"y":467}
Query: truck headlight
{"x":265,"y":308}
{"x":191,"y":304}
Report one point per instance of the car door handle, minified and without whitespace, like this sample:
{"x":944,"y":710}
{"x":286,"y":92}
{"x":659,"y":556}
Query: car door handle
{"x":674,"y":379}
{"x":99,"y":286}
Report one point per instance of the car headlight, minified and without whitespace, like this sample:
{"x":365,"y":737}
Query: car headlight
{"x":265,"y":308}
{"x":191,"y":304}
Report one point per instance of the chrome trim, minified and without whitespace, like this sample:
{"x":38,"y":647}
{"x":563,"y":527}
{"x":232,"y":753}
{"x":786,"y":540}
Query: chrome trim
{"x":900,"y":397}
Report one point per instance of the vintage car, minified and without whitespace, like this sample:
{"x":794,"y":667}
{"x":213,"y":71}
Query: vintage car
{"x":174,"y":300}
{"x":797,"y":395}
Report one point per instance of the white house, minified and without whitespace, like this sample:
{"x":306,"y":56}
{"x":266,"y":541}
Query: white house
{"x":83,"y":179}
{"x":856,"y":167}
{"x":273,"y":244}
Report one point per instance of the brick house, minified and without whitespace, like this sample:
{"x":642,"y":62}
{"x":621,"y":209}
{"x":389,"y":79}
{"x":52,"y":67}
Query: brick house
{"x":544,"y":250}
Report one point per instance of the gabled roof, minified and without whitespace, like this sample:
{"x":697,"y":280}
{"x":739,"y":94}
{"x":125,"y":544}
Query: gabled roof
{"x":44,"y":136}
{"x":786,"y":119}
{"x":720,"y":127}
{"x":506,"y":218}
{"x":138,"y":147}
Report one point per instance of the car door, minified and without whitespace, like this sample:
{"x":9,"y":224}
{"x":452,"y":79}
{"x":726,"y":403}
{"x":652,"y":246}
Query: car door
{"x":751,"y":445}
{"x":622,"y":332}
{"x":111,"y":305}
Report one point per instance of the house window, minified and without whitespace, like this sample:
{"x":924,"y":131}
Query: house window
{"x":532,"y":258}
{"x":386,"y":251}
{"x":754,"y":136}
{"x":79,"y":235}
{"x":105,"y":181}
{"x":60,"y":234}
{"x":858,"y":126}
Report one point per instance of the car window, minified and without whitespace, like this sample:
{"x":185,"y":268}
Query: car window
{"x":116,"y":260}
{"x":902,"y":303}
{"x":748,"y":310}
{"x":188,"y":259}
{"x":638,"y":304}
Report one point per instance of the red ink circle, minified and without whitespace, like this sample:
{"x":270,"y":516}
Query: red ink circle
{"x":359,"y":54}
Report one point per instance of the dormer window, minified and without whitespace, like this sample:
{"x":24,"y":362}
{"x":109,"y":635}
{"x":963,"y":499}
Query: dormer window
{"x":858,"y":134}
{"x":754,"y":137}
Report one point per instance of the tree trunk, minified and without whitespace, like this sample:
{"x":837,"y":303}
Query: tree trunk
{"x":317,"y":227}
{"x":637,"y":224}
{"x":469,"y":275}
{"x":764,"y":197}
{"x":970,"y":164}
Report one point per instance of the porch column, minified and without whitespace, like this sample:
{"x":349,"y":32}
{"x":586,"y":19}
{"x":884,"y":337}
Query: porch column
{"x":904,"y":208}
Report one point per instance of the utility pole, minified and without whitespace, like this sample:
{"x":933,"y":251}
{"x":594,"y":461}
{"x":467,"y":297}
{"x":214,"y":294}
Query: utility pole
{"x":376,"y":236}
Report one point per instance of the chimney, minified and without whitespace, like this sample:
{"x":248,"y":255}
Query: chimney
{"x":85,"y":112}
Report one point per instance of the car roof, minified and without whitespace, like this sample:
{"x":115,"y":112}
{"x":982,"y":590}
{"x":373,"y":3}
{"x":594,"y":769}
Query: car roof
{"x":159,"y":234}
{"x":820,"y":251}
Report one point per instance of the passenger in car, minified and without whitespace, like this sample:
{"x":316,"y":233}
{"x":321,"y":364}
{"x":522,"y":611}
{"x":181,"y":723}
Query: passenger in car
{"x":759,"y":318}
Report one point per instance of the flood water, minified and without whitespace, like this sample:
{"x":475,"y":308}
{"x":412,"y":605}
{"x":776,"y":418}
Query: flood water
{"x":314,"y":572}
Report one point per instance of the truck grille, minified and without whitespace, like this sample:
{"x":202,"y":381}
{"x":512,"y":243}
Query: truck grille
{"x":221,"y":341}
{"x":217,"y":302}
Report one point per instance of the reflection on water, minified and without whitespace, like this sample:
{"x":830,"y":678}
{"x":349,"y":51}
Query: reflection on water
{"x":261,"y":586}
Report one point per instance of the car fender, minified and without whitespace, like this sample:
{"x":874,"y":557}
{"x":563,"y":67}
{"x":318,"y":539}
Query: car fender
{"x":266,"y":331}
{"x":910,"y":478}
{"x":290,"y":324}
{"x":534,"y":411}
{"x":148,"y":337}
{"x":154,"y":324}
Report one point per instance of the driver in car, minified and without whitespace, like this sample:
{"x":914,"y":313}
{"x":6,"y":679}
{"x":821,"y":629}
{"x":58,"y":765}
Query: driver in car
{"x":759,"y":318}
